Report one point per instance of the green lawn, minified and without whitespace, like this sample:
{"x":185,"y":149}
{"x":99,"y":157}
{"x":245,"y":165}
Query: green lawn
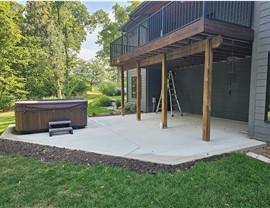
{"x":6,"y":118}
{"x":234,"y":181}
{"x":96,"y":110}
{"x":115,"y":97}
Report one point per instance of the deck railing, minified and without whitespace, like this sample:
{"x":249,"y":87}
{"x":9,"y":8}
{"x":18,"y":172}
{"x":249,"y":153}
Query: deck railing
{"x":179,"y":14}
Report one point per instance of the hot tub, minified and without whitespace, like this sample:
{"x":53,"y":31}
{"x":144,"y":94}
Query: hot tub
{"x":34,"y":116}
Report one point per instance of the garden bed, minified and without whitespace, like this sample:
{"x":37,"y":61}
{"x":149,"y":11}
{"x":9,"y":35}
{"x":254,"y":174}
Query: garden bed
{"x":265,"y":151}
{"x":50,"y":154}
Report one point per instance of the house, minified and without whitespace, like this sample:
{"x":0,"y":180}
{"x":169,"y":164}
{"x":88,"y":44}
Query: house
{"x":219,"y":53}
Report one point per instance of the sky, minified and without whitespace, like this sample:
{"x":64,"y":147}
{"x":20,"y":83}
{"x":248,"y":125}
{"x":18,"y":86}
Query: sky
{"x":89,"y":48}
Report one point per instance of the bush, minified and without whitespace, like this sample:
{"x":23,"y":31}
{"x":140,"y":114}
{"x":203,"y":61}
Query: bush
{"x":118,"y":103}
{"x":104,"y":101}
{"x":118,"y":91}
{"x":76,"y":87}
{"x":108,"y":88}
{"x":130,"y":107}
{"x":6,"y":102}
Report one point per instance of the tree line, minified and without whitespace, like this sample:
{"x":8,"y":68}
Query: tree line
{"x":39,"y":46}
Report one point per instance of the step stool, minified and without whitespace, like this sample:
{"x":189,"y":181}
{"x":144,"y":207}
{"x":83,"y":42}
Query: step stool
{"x":60,"y":126}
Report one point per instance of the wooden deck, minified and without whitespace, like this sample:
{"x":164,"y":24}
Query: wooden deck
{"x":237,"y":42}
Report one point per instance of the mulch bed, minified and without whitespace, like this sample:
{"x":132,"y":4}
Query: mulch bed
{"x":265,"y":151}
{"x":56,"y":154}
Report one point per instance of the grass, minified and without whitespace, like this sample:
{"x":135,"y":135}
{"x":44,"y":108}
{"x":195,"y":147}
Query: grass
{"x":93,"y":109}
{"x":94,"y":99}
{"x":115,"y":97}
{"x":6,"y":118}
{"x":96,"y":110}
{"x":234,"y":181}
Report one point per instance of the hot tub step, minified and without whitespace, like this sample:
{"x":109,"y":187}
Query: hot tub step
{"x":52,"y":123}
{"x":69,"y":129}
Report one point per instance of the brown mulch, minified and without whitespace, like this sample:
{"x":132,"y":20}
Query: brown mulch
{"x":265,"y":151}
{"x":56,"y":154}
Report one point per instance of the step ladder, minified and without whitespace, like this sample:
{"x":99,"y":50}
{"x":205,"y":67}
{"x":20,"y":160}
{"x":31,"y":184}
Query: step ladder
{"x":60,"y":126}
{"x":172,"y":95}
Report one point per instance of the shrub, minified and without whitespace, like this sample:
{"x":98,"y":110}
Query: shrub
{"x":6,"y":102}
{"x":104,"y":101}
{"x":130,"y":107}
{"x":118,"y":103}
{"x":118,"y":91}
{"x":76,"y":87}
{"x":108,"y":88}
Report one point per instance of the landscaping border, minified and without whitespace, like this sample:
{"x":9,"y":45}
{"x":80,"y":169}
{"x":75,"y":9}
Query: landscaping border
{"x":46,"y":153}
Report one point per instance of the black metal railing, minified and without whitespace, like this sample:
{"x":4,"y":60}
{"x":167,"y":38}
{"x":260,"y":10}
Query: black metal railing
{"x":179,"y":14}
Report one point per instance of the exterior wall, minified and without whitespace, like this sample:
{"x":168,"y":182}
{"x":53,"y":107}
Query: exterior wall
{"x":261,"y":46}
{"x":153,"y":86}
{"x":189,"y":88}
{"x":228,"y":101}
{"x":131,"y":73}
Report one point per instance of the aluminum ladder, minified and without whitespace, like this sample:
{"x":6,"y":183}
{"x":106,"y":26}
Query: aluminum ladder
{"x":172,"y":95}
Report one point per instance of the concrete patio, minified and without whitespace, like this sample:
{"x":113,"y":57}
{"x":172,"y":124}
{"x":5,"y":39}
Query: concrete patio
{"x":144,"y":140}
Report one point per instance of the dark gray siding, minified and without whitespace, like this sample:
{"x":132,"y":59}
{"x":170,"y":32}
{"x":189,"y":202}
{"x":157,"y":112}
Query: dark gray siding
{"x":228,"y":101}
{"x":153,"y":86}
{"x":130,"y":74}
{"x":261,"y":46}
{"x":189,"y":88}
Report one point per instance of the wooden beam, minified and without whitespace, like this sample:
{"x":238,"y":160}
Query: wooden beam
{"x":228,"y":30}
{"x":122,"y":92}
{"x":184,"y":51}
{"x":207,"y":91}
{"x":145,"y":62}
{"x":138,"y":92}
{"x":152,"y":60}
{"x":164,"y":91}
{"x":129,"y":66}
{"x":194,"y":48}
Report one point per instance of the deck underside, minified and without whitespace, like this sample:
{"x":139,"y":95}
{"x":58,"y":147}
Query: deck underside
{"x":236,"y":44}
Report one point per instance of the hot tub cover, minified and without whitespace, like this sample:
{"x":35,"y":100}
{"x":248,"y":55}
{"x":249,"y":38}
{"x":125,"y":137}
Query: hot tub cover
{"x":49,"y":105}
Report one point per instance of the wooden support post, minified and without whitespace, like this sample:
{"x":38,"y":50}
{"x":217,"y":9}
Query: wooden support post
{"x":138,"y":92}
{"x":164,"y":92}
{"x":122,"y":92}
{"x":207,"y":91}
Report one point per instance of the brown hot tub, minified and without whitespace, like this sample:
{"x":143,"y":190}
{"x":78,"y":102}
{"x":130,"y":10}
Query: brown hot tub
{"x":34,"y":116}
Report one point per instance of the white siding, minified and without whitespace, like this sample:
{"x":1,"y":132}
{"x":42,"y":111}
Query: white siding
{"x":132,"y":73}
{"x":261,"y":46}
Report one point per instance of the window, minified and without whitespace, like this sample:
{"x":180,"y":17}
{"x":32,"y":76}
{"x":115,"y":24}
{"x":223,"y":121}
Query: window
{"x":267,"y":104}
{"x":133,"y":86}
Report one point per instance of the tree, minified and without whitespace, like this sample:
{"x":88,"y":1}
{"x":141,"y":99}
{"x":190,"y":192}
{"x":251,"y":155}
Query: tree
{"x":110,"y":28}
{"x":11,"y":51}
{"x":43,"y":26}
{"x":92,"y":72}
{"x":39,"y":43}
{"x":73,"y":19}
